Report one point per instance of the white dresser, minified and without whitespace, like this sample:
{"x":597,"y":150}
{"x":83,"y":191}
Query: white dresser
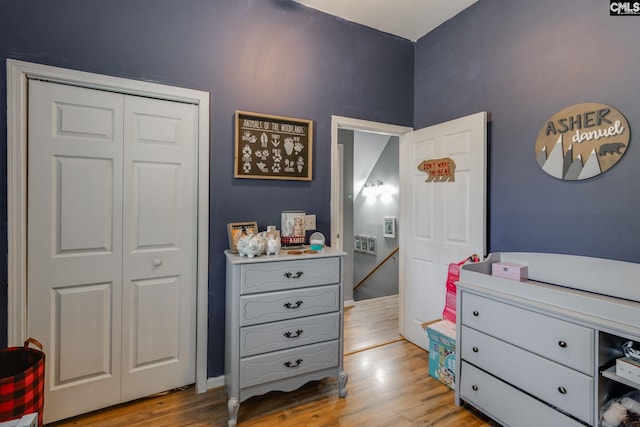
{"x":542,"y":352}
{"x":284,"y":323}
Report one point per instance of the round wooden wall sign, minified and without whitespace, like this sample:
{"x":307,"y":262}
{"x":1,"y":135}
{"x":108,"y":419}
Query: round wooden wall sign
{"x":582,"y":141}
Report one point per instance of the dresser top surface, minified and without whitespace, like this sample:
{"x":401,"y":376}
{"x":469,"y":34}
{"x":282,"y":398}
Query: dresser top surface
{"x":285,"y":255}
{"x":618,"y":279}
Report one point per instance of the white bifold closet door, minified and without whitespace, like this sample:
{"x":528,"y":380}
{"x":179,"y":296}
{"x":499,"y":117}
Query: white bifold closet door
{"x":111,"y":261}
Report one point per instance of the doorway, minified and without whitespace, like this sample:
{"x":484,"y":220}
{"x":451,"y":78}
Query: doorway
{"x":19,"y":74}
{"x":370,"y":211}
{"x":439,"y":223}
{"x":340,"y":235}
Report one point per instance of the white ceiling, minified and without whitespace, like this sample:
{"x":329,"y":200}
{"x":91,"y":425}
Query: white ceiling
{"x":410,"y":19}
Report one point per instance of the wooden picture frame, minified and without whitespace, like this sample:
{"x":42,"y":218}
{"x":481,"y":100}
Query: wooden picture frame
{"x":235,"y":230}
{"x":389,"y":227}
{"x":272,"y":147}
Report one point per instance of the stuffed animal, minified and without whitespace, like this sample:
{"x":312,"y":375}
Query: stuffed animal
{"x":623,"y":413}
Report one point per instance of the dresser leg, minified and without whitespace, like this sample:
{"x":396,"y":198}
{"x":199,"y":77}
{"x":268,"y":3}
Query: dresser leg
{"x":342,"y":384}
{"x":233,"y":407}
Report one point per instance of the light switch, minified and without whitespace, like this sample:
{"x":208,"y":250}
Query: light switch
{"x":309,"y":222}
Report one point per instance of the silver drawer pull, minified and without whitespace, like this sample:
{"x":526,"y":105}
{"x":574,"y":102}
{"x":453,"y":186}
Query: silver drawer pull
{"x":475,"y":349}
{"x":290,"y":275}
{"x":476,"y":313}
{"x":292,"y":335}
{"x":474,"y":387}
{"x":291,"y":306}
{"x":562,"y":344}
{"x":562,"y":390}
{"x":292,"y":364}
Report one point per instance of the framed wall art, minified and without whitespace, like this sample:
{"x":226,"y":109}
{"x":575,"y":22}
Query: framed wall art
{"x":273,"y":147}
{"x":236,"y":230}
{"x":371,"y":245}
{"x":389,"y":229}
{"x":357,"y":244}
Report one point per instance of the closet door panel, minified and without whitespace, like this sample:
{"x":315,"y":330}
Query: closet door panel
{"x":160,"y":206}
{"x":74,"y":243}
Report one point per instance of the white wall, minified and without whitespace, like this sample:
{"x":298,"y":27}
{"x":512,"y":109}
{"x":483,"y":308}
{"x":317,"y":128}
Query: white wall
{"x":367,"y":148}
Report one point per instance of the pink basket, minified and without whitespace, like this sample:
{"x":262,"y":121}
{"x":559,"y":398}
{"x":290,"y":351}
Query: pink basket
{"x":453,"y":275}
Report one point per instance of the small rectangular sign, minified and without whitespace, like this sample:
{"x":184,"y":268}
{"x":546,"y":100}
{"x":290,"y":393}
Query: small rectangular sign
{"x":624,"y":8}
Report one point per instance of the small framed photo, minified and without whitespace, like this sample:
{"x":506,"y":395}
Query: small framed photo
{"x":371,"y":245}
{"x":357,"y":244}
{"x":238,"y":229}
{"x":390,"y":226}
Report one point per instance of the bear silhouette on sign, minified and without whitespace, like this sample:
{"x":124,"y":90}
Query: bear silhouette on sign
{"x":611,"y":148}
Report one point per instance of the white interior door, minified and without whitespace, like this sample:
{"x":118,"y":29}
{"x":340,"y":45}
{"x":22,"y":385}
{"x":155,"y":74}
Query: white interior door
{"x":111,"y":246}
{"x":74,"y":258}
{"x":159,"y":240}
{"x":442,"y":222}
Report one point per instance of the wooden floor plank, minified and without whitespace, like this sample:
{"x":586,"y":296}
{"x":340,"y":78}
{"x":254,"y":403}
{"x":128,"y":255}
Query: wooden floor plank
{"x":370,"y":323}
{"x":389,"y":385}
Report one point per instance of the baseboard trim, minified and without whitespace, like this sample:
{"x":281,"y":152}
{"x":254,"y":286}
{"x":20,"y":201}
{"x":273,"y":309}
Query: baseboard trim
{"x":215,"y":382}
{"x":349,"y":303}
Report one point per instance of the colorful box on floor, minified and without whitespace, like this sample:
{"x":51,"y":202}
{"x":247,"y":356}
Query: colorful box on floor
{"x":442,"y":351}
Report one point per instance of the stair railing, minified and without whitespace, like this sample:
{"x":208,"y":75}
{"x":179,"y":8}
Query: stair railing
{"x":376,"y":268}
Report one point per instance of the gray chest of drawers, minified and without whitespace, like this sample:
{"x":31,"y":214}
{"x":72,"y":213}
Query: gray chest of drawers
{"x":537,"y":354}
{"x":284,"y":324}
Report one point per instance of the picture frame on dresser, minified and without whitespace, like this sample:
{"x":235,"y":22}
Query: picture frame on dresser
{"x":235,"y":230}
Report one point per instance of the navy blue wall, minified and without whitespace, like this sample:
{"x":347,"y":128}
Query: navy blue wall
{"x":267,"y":56}
{"x":523,"y":61}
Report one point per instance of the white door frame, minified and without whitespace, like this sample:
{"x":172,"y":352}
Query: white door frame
{"x":338,"y":122}
{"x":18,"y":72}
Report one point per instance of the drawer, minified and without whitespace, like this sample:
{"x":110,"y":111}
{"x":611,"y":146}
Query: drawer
{"x":506,"y":404}
{"x":555,"y":339}
{"x":288,"y":363}
{"x":562,"y":387}
{"x":289,"y":333}
{"x":274,"y":306}
{"x":275,"y":276}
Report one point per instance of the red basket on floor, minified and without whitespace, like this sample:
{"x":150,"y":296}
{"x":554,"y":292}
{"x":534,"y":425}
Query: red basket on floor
{"x":21,"y":381}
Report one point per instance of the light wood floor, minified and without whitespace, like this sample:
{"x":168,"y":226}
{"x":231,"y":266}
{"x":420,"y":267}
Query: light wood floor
{"x":389,"y":385}
{"x":371,"y":323}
